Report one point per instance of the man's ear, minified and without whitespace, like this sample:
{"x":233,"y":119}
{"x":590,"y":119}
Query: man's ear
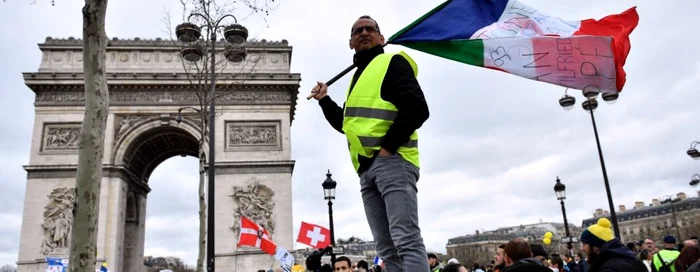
{"x":382,"y":38}
{"x":350,"y":43}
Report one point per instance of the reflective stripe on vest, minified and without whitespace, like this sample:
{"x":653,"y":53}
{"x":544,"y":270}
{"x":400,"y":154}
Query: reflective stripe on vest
{"x":367,"y":117}
{"x":370,"y":113}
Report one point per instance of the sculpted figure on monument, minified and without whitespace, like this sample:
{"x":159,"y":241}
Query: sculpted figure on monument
{"x":255,"y":202}
{"x":58,"y":218}
{"x":62,"y":137}
{"x":126,"y":123}
{"x":250,"y":135}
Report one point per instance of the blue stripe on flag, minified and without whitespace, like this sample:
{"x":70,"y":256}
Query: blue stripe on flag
{"x":459,"y":19}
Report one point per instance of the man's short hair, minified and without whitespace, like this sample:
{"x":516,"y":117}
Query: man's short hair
{"x":432,"y":255}
{"x":363,"y":264}
{"x":518,"y":249}
{"x":502,"y":246}
{"x":343,"y":258}
{"x":373,"y":20}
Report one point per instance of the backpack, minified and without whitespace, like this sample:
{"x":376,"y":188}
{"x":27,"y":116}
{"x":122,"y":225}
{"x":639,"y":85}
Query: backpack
{"x":665,"y":267}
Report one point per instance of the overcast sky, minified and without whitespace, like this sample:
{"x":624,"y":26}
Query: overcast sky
{"x":490,"y":151}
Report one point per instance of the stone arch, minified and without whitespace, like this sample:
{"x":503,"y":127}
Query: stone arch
{"x":143,"y":147}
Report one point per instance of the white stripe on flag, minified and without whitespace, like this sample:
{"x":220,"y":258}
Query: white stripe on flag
{"x":254,"y":232}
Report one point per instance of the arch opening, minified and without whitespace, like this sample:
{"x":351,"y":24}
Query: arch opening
{"x":156,"y":145}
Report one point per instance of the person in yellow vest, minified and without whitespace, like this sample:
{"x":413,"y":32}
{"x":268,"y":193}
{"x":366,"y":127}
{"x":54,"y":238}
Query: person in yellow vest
{"x":664,"y":260}
{"x":384,"y":107}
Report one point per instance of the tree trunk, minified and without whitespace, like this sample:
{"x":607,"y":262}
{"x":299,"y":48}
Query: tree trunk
{"x":202,"y":203}
{"x":83,"y":251}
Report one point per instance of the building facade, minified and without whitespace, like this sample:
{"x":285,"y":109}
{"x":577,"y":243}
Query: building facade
{"x":678,"y":216}
{"x":481,"y":246}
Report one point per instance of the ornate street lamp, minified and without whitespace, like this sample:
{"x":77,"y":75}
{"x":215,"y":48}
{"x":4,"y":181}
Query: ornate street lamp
{"x":329,"y":194}
{"x":693,"y":151}
{"x":560,"y":191}
{"x":189,"y":34}
{"x":695,"y":180}
{"x":590,"y":104}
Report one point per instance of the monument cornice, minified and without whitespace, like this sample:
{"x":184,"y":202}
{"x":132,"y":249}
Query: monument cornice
{"x":255,"y":167}
{"x":70,"y":171}
{"x":159,"y":95}
{"x":131,"y":44}
{"x":159,"y":78}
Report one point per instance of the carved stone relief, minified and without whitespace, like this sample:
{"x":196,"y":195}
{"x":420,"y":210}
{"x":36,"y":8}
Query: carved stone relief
{"x":254,"y":201}
{"x":242,"y":135}
{"x":165,"y":97}
{"x":61,"y":136}
{"x":122,"y":123}
{"x":274,"y":58}
{"x":58,"y":219}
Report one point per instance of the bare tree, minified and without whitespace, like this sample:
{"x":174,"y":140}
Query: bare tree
{"x":197,"y":74}
{"x":83,"y":250}
{"x":8,"y":268}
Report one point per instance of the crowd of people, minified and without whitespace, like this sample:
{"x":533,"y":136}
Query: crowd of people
{"x":600,"y":251}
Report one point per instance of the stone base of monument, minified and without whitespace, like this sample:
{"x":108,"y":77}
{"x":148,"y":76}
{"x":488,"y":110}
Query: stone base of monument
{"x":246,"y":260}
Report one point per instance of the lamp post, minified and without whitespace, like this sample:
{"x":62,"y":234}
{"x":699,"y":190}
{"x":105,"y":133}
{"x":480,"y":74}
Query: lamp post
{"x":695,"y":180}
{"x":329,"y":194}
{"x":560,"y":191}
{"x":693,"y":151}
{"x":672,"y":200}
{"x":189,"y":34}
{"x":567,"y":102}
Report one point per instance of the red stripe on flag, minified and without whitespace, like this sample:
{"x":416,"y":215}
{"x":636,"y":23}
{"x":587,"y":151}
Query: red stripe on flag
{"x":618,"y":26}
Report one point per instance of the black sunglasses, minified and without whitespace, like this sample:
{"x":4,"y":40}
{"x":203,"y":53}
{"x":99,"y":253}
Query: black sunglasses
{"x":369,"y":29}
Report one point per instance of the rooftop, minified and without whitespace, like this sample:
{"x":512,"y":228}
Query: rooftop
{"x":640,"y":210}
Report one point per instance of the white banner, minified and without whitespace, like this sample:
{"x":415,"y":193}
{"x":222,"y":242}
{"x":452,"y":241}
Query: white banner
{"x":286,"y":259}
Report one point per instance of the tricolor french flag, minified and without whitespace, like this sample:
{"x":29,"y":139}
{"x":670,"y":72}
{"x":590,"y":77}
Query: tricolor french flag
{"x":378,"y":261}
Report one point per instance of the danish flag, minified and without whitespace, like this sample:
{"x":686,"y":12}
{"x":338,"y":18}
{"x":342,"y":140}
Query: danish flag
{"x":254,"y":235}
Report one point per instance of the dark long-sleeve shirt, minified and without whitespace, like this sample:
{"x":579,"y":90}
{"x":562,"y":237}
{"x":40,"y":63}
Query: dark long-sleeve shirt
{"x":400,"y":88}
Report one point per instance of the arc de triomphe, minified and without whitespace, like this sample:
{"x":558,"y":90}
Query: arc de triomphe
{"x":148,"y":84}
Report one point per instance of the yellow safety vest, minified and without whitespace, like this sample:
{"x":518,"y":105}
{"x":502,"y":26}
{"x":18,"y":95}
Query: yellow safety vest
{"x":367,"y":116}
{"x":669,"y":257}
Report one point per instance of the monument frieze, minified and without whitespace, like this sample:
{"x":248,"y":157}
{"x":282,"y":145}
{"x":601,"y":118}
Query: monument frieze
{"x":159,"y":97}
{"x":253,"y":135}
{"x":61,"y":137}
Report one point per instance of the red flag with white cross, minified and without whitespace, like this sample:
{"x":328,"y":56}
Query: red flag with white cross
{"x":254,"y":235}
{"x":314,"y":235}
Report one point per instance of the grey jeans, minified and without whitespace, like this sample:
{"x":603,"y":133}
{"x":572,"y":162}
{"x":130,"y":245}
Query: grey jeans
{"x":389,"y":194}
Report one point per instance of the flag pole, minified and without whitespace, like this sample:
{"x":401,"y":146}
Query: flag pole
{"x":391,"y":39}
{"x":339,"y":75}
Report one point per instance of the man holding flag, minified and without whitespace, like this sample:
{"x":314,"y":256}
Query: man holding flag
{"x":385,"y":104}
{"x":384,"y":108}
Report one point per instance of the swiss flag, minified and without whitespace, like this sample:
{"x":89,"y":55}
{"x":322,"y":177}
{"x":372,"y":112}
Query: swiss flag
{"x":254,"y":235}
{"x":314,"y":235}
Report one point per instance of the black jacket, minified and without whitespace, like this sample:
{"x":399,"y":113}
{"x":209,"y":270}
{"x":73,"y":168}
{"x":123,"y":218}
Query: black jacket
{"x":616,"y":257}
{"x":527,"y":265}
{"x":400,"y":88}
